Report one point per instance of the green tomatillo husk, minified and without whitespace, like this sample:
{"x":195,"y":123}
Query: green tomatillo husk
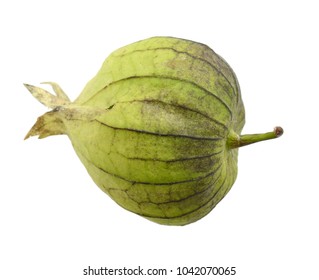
{"x":158,"y":128}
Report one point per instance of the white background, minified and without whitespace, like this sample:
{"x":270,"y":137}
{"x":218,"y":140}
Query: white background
{"x":55,"y":222}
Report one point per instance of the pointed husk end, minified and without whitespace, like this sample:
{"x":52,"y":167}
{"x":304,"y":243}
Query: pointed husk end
{"x":55,"y":122}
{"x":50,"y":123}
{"x":48,"y":99}
{"x":47,"y":125}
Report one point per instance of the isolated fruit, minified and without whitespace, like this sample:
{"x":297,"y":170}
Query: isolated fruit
{"x":157,"y":128}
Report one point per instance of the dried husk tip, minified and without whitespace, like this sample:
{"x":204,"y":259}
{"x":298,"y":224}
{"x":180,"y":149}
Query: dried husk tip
{"x":53,"y":122}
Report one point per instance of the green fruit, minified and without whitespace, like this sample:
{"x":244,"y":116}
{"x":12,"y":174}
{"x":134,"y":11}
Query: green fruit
{"x":157,"y":128}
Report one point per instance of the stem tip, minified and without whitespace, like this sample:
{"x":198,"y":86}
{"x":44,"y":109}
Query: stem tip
{"x":278,"y":131}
